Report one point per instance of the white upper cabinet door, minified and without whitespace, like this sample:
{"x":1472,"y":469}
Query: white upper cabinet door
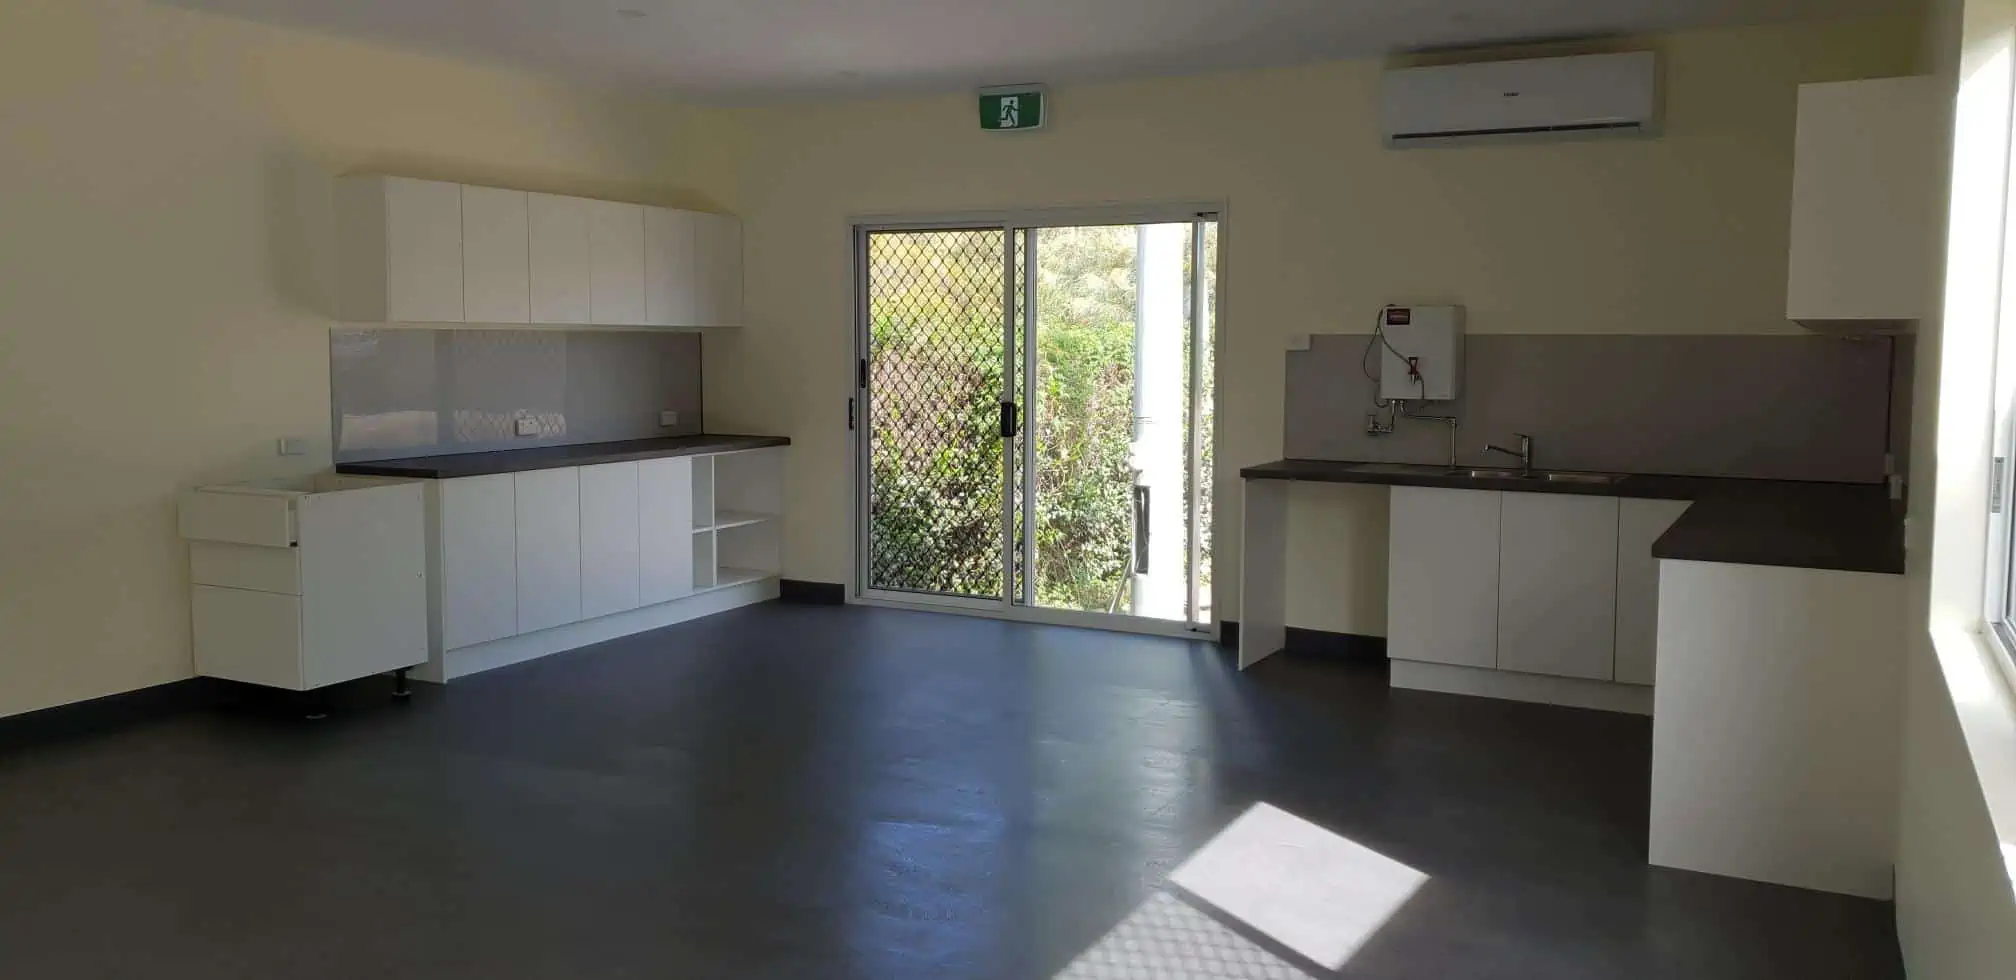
{"x":1557,"y":597}
{"x":1442,"y":583}
{"x":609,"y":539}
{"x":1866,"y":155}
{"x":1639,"y":523}
{"x":496,"y":267}
{"x":616,"y":251}
{"x":562,"y":280}
{"x":399,"y":250}
{"x":717,"y":251}
{"x":665,"y":531}
{"x":549,"y":548}
{"x":671,"y":288}
{"x":479,"y":560}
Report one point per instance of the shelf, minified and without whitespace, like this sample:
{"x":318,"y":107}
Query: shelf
{"x":735,"y":518}
{"x":740,"y":576}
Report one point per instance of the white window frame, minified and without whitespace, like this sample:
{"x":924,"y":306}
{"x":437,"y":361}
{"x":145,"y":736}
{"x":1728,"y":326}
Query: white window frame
{"x":1991,"y":142}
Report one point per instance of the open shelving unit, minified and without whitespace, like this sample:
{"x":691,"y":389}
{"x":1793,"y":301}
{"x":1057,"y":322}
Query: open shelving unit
{"x":737,"y":498}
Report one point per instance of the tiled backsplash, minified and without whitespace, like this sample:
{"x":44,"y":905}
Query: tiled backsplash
{"x":404,"y":392}
{"x":1780,"y":406}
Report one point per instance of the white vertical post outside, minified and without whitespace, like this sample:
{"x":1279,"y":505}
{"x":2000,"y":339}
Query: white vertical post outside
{"x":1159,"y":450}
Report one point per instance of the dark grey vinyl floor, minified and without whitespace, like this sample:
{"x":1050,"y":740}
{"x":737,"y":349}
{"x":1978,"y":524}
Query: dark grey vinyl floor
{"x":807,"y":791}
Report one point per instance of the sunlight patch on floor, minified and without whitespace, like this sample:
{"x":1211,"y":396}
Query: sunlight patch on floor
{"x":1313,"y":891}
{"x":1166,"y":939}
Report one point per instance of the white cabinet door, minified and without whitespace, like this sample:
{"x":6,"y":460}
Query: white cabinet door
{"x":496,"y":267}
{"x":1557,"y":596}
{"x":616,"y":251}
{"x":1639,"y":523}
{"x":423,"y":251}
{"x":560,"y":258}
{"x":1442,"y":583}
{"x":479,"y":560}
{"x":665,"y":529}
{"x":549,"y":548}
{"x":717,"y":256}
{"x":1862,"y":153}
{"x":670,"y":289}
{"x":609,"y":539}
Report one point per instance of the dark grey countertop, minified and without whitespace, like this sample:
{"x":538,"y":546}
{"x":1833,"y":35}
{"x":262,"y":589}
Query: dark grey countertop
{"x":555,"y":457}
{"x":1851,"y":527}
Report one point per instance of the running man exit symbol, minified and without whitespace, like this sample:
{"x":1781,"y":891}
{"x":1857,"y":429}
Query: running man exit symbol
{"x":1011,"y":107}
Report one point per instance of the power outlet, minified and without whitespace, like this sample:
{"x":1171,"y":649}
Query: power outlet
{"x":293,"y":446}
{"x":668,"y":418}
{"x":528,"y":427}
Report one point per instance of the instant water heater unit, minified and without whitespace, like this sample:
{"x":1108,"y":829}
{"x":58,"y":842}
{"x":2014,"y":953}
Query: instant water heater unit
{"x":1420,"y":353}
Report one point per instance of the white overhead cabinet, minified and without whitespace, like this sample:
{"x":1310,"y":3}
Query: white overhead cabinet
{"x":496,"y":264}
{"x":415,"y":251}
{"x":616,"y":254}
{"x":1866,"y":157}
{"x":717,"y":274}
{"x":399,"y":250}
{"x":561,"y":260}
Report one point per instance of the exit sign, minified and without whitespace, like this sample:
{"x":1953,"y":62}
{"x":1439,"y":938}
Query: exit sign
{"x":1012,"y":107}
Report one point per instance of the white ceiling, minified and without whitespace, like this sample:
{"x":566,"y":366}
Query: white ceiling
{"x":743,"y":51}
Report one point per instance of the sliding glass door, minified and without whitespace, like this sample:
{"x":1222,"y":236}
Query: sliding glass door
{"x":1034,"y":416}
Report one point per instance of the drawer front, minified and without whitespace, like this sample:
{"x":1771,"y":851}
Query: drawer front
{"x":238,"y":566}
{"x":264,"y":519}
{"x":247,"y":636}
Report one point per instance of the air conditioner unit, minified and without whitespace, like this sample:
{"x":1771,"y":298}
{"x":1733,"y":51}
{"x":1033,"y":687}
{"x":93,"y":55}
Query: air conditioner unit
{"x":1590,"y":95}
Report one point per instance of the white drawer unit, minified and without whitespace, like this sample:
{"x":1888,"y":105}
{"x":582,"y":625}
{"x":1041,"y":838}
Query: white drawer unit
{"x":303,"y":584}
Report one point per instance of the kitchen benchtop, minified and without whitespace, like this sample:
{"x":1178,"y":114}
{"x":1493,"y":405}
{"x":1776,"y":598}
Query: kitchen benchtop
{"x":1851,"y":527}
{"x":555,"y":457}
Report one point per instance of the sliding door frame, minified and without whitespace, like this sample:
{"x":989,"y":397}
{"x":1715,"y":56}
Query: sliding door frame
{"x":1018,"y":472}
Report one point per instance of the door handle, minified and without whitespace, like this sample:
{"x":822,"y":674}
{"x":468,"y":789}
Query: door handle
{"x":1011,"y":420}
{"x":1141,"y":507}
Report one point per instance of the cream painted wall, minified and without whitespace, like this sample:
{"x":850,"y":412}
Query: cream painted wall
{"x":1682,"y":234}
{"x":1956,"y":910}
{"x":165,"y":270}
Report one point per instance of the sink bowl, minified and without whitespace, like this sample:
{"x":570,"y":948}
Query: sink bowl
{"x":1491,"y":474}
{"x":1583,"y":477}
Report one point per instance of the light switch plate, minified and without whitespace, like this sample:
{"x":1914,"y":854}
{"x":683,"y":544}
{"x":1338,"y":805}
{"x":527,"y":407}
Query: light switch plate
{"x":668,"y":418}
{"x":528,"y":427}
{"x":293,"y":446}
{"x":1298,"y":341}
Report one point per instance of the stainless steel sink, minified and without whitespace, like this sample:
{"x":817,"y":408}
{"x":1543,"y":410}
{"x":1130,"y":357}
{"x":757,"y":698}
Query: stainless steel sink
{"x":1583,"y":477}
{"x":1490,"y":474}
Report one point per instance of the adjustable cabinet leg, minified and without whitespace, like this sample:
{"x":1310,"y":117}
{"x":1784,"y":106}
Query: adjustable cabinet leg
{"x":400,"y":688}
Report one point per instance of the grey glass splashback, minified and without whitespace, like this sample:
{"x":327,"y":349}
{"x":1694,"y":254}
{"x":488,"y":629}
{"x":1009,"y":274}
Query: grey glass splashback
{"x":1779,"y":406}
{"x":404,"y":392}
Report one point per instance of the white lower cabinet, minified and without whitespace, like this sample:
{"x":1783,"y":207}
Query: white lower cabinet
{"x":549,"y":548}
{"x":665,"y":529}
{"x":1560,"y":590}
{"x":1557,"y":592}
{"x":1442,"y":587}
{"x":534,"y":563}
{"x":478,"y":529}
{"x":1639,"y":523}
{"x":609,"y":539}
